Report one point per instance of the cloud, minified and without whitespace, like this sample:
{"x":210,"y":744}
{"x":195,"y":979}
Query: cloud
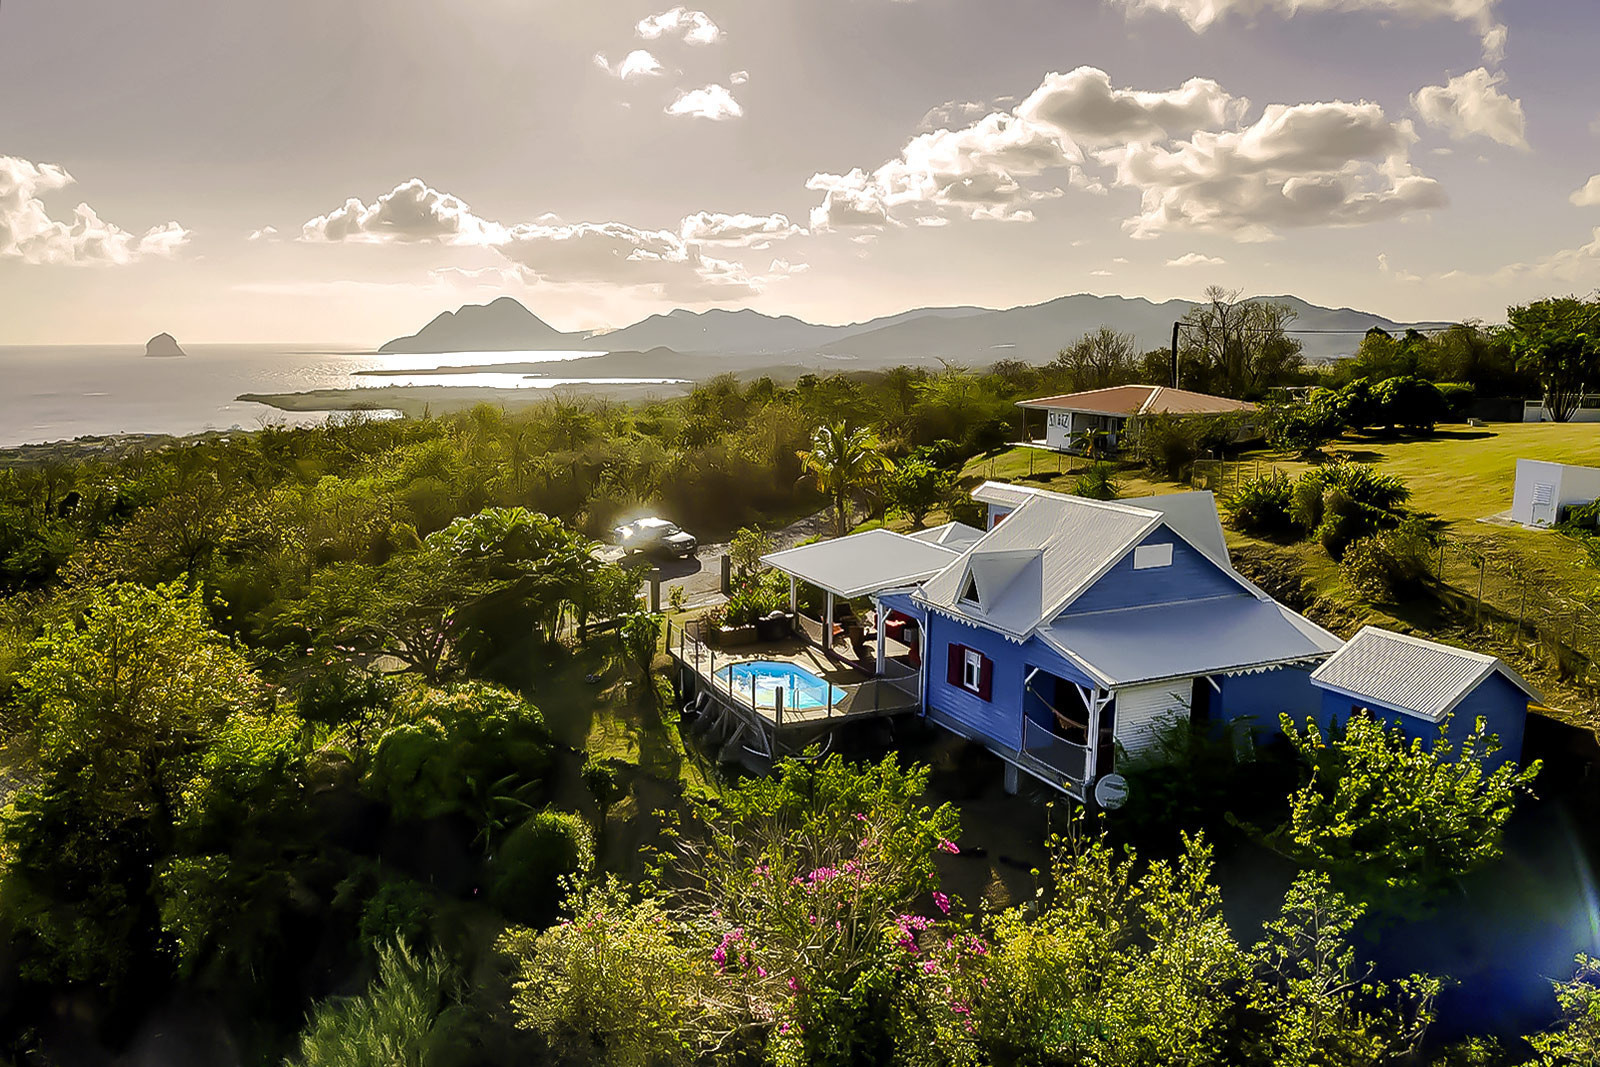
{"x":739,"y":77}
{"x":695,"y":27}
{"x":713,"y":102}
{"x":29,"y":234}
{"x":1324,"y":164}
{"x":1472,"y":104}
{"x":782,"y":267}
{"x":1200,"y":15}
{"x":673,"y":264}
{"x":1589,"y":195}
{"x":1196,"y":259}
{"x":636,"y":64}
{"x":738,"y":231}
{"x":1333,"y":164}
{"x":411,"y":213}
{"x":266,"y":233}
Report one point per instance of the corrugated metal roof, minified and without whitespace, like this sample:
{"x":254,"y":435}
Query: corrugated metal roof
{"x":863,"y":563}
{"x":1129,"y":400}
{"x":956,"y":535}
{"x":1073,"y":540}
{"x":1198,"y":637}
{"x":1193,"y":516}
{"x":1005,"y":494}
{"x":1411,"y":674}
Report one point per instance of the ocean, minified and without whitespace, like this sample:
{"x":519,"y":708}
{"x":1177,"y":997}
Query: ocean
{"x":56,"y":393}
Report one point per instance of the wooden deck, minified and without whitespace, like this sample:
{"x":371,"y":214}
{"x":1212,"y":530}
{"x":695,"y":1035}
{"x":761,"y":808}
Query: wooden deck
{"x":851,"y":694}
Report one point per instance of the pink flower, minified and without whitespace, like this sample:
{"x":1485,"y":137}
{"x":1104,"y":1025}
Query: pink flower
{"x":930,"y":966}
{"x":942,"y":901}
{"x":794,"y":985}
{"x":761,"y":972}
{"x":861,"y":816}
{"x":946,"y":845}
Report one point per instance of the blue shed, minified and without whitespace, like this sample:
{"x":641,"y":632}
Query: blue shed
{"x":1420,"y":685}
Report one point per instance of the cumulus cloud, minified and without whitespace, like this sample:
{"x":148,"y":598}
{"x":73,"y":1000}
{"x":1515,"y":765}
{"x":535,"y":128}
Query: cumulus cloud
{"x":1473,"y":105}
{"x":673,"y":264}
{"x":411,"y":213}
{"x":1589,"y":195}
{"x":1397,"y":275}
{"x":740,"y":231}
{"x":1196,"y":259}
{"x":713,"y":102}
{"x":1310,"y":164}
{"x":1200,"y":15}
{"x":695,"y":27}
{"x":1324,"y":164}
{"x":29,"y":234}
{"x":636,"y":64}
{"x":739,"y":77}
{"x":266,"y":233}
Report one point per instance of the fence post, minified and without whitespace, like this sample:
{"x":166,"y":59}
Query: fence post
{"x":777,"y":717}
{"x":1522,"y":605}
{"x":1030,"y":463}
{"x":1477,"y":609}
{"x":1441,"y":561}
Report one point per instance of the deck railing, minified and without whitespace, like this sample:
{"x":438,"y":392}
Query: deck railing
{"x":1045,"y":750}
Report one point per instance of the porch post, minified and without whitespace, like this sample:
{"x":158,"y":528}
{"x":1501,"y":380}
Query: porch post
{"x":878,"y":608}
{"x":794,"y":594}
{"x":827,"y":624}
{"x":1093,"y":754}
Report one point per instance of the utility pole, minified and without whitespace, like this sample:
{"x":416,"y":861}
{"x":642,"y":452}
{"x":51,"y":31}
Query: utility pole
{"x":1176,"y":326}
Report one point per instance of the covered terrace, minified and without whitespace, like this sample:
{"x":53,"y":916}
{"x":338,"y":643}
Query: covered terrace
{"x":863,"y":566}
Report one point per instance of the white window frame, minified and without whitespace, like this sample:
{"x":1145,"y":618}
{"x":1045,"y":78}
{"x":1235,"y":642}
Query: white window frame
{"x":972,"y":670}
{"x":1150,"y":557}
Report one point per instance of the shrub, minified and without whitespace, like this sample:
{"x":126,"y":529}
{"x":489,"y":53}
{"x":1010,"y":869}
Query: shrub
{"x":757,"y":597}
{"x":944,"y":454}
{"x":1409,"y":402}
{"x":400,"y":912}
{"x":1262,"y":504}
{"x":1096,"y":482}
{"x":1382,"y":565}
{"x":917,"y":486}
{"x":1303,"y":428}
{"x":1342,"y":502}
{"x":1167,"y":446}
{"x":525,"y":876}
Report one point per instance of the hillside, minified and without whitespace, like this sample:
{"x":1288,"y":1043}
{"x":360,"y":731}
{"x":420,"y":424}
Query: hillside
{"x":970,"y":335}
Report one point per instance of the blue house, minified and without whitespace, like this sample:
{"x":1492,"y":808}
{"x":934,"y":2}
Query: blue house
{"x":1076,"y":634}
{"x":1423,"y":686}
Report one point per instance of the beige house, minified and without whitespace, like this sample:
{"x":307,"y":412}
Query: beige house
{"x":1112,"y":411}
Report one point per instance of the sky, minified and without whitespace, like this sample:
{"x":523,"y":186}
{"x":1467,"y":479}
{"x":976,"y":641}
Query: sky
{"x":339,"y":171}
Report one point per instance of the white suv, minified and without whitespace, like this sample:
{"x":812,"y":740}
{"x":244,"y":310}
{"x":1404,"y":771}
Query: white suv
{"x":656,"y":537}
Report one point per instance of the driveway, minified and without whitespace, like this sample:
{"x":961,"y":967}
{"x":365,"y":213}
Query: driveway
{"x":701,"y":577}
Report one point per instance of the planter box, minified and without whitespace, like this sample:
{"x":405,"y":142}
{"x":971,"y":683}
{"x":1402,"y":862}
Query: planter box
{"x":733,"y":636}
{"x":776,"y":629}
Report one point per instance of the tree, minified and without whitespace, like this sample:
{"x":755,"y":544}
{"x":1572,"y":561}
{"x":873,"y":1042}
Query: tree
{"x":1394,"y":819}
{"x":1559,"y":340}
{"x":842,"y":462}
{"x":1577,"y":1040}
{"x":1098,"y":359}
{"x":1410,"y":402}
{"x":1236,"y":348}
{"x":747,"y":548}
{"x":917,"y":487}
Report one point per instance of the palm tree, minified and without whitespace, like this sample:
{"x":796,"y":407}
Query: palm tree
{"x":842,"y":461}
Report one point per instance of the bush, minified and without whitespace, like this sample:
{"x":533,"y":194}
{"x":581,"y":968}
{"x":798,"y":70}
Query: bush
{"x":1096,"y":482}
{"x":1262,"y":505}
{"x":400,"y":912}
{"x":1382,"y":565}
{"x":917,"y":486}
{"x":944,"y":454}
{"x":525,"y":876}
{"x":1342,"y":502}
{"x":1409,"y":402}
{"x":1167,"y":446}
{"x":757,"y":597}
{"x":1303,"y":428}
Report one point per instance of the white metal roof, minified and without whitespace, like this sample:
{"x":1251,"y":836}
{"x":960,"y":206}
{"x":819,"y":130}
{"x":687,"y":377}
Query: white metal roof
{"x":1005,"y":494}
{"x":1412,"y":674}
{"x":1193,"y":516}
{"x":863,"y":563}
{"x":1220,"y":635}
{"x":1033,"y":564}
{"x":956,"y":535}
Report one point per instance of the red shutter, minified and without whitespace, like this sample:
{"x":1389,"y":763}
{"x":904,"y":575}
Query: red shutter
{"x":986,"y":679}
{"x":953,"y":668}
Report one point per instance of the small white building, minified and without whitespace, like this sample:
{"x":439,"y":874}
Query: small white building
{"x":1544,"y":490}
{"x":1112,"y":412}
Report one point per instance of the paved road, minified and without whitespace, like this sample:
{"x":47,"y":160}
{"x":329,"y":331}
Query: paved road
{"x":701,"y":577}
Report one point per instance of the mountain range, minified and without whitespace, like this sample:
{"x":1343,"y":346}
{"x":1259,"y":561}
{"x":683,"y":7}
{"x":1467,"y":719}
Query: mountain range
{"x":973,"y":336}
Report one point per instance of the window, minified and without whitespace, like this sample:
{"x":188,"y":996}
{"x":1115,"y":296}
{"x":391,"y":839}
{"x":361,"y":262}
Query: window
{"x":1149,"y":557}
{"x":969,"y":591}
{"x":972,"y":670}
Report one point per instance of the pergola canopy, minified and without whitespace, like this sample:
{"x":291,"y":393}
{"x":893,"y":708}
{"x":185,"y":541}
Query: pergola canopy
{"x":863,"y":563}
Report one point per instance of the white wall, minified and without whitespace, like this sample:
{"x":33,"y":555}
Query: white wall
{"x":1535,"y":412}
{"x":1543,"y":488}
{"x":1058,"y":429}
{"x":1144,"y":711}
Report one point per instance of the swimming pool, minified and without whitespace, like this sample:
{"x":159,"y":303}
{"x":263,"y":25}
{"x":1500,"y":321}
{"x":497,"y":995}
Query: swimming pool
{"x":760,"y":680}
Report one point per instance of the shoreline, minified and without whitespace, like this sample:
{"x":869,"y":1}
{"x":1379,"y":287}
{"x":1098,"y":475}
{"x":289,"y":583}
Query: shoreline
{"x":415,"y":401}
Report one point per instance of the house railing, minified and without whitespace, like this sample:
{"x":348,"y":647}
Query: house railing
{"x":1045,"y":751}
{"x":811,"y":629}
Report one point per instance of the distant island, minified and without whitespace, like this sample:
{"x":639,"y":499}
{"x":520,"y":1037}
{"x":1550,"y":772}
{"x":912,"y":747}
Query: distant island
{"x":163,"y":344}
{"x":972,"y":336}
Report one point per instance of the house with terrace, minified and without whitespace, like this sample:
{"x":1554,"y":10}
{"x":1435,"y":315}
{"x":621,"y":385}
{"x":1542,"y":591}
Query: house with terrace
{"x":1103,"y":419}
{"x":1071,"y":637}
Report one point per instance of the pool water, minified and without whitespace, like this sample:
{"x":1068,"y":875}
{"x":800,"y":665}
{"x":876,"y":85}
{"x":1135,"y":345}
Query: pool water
{"x":760,"y":680}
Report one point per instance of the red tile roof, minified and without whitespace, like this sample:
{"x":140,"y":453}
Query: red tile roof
{"x":1129,"y":400}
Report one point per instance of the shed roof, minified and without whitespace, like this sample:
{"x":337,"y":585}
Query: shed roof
{"x":1221,"y":635}
{"x":1411,"y":674}
{"x":1130,"y":400}
{"x":863,"y":563}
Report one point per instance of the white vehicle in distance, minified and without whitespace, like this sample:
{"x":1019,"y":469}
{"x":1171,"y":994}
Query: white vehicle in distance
{"x":656,"y":537}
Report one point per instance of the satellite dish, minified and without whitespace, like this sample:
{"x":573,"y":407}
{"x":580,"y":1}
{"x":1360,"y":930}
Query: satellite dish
{"x":1111,"y":792}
